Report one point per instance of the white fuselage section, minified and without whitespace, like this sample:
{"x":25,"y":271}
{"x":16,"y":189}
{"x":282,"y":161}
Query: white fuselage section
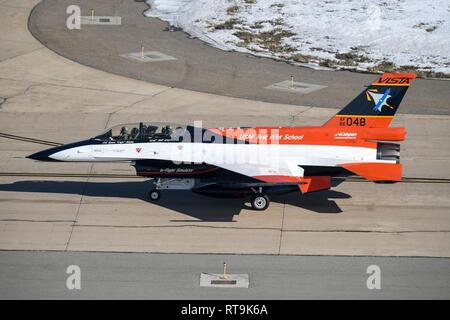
{"x":219,"y":154}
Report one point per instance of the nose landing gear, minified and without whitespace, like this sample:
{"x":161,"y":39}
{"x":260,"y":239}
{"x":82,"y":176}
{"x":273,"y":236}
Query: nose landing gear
{"x":154,"y":195}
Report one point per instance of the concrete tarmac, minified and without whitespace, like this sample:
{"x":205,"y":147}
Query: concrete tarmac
{"x":42,"y":275}
{"x":46,"y":96}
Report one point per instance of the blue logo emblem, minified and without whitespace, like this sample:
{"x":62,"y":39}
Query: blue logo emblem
{"x":379,"y":99}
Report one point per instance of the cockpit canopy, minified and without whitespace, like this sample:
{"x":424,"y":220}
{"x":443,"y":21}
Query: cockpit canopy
{"x":144,"y":132}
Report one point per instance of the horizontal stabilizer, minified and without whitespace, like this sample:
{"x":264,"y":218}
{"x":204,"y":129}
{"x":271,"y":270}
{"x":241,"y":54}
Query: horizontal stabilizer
{"x":315,"y":183}
{"x":375,"y":171}
{"x":385,"y":134}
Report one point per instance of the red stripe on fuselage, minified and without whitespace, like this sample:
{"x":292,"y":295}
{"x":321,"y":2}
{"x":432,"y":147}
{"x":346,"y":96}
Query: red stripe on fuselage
{"x":176,"y":173}
{"x":334,"y":136}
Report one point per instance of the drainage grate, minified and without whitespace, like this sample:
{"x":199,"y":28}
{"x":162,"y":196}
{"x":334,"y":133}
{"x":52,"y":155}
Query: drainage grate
{"x":224,"y":281}
{"x":148,"y":56}
{"x":295,"y":87}
{"x":218,"y":280}
{"x":101,"y":20}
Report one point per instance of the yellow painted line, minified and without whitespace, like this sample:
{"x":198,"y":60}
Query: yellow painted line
{"x":426,"y":180}
{"x":31,"y":140}
{"x":390,"y":85}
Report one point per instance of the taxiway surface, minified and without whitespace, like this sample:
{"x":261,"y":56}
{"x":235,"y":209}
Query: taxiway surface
{"x":42,"y":275}
{"x":46,"y":96}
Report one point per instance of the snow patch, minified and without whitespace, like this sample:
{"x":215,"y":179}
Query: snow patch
{"x":349,"y":33}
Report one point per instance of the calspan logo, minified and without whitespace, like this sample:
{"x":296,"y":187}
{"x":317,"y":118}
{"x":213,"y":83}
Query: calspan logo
{"x":380,"y":99}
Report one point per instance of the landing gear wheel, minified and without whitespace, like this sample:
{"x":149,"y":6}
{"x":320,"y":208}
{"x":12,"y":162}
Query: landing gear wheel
{"x":154,"y":195}
{"x":260,"y":202}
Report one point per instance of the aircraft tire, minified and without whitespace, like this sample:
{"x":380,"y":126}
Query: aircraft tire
{"x":154,"y":195}
{"x":260,"y":202}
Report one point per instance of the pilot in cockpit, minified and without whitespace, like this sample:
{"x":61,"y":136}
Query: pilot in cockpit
{"x":134,"y":133}
{"x":124,"y":133}
{"x":167,"y":130}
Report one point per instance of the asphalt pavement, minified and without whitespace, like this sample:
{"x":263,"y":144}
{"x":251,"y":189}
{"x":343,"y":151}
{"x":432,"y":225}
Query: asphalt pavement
{"x":43,"y":275}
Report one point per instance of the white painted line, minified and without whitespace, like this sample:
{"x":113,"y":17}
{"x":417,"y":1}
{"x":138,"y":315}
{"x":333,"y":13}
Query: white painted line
{"x":148,"y":56}
{"x":235,"y":280}
{"x":295,"y":87}
{"x":101,"y":20}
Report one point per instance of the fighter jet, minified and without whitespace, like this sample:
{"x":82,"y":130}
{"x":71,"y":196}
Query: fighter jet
{"x":256,"y":162}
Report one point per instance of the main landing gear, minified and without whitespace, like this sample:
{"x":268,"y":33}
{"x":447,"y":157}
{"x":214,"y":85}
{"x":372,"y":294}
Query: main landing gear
{"x":259,"y":201}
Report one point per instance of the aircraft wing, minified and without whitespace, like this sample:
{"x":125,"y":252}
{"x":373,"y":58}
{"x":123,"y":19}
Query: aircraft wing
{"x":283,"y":173}
{"x":266,"y":175}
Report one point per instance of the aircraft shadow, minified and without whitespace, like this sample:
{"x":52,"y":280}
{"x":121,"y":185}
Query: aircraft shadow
{"x":202,"y":208}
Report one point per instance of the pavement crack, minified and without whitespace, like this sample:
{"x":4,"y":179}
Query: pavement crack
{"x":139,"y":101}
{"x":161,"y":92}
{"x":4,"y":100}
{"x":23,"y":54}
{"x":127,"y":107}
{"x":32,"y":220}
{"x":294,"y":116}
{"x":85,"y":185}
{"x":369,"y":231}
{"x":174,"y":226}
{"x":254,"y":228}
{"x":281,"y":229}
{"x":84,"y":88}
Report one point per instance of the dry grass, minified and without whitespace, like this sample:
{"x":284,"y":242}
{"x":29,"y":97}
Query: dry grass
{"x":277,"y":5}
{"x":349,"y":57}
{"x":227,"y":25}
{"x":252,"y":37}
{"x":302,"y":58}
{"x":232,"y":10}
{"x":270,"y":40}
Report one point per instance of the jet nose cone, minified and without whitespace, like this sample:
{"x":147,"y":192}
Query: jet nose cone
{"x":41,"y":156}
